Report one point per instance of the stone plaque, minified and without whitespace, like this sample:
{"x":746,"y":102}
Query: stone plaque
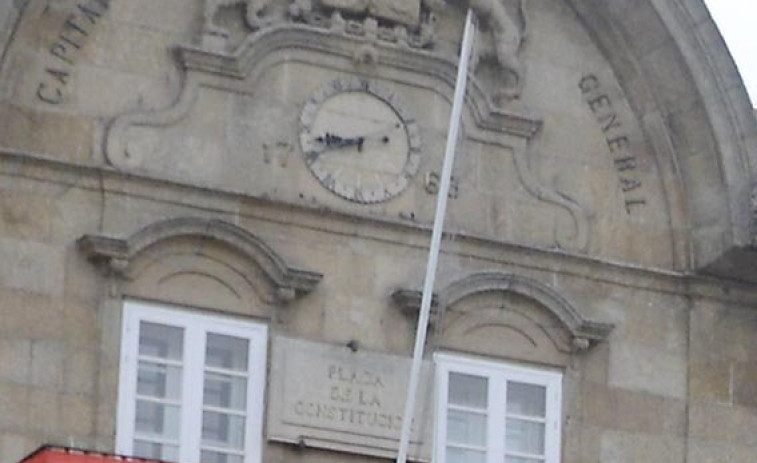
{"x":329,"y":397}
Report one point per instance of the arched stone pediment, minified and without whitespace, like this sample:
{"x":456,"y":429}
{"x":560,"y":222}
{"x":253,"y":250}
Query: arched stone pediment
{"x":498,"y":313}
{"x":194,"y":258}
{"x":543,"y":295}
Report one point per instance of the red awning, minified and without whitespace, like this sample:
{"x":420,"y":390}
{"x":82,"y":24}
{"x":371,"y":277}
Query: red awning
{"x":49,"y":454}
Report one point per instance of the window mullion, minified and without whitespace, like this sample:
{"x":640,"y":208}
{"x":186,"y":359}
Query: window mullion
{"x":496,"y":428}
{"x":553,"y":424}
{"x":128,"y":383}
{"x":442,"y":379}
{"x":256,"y":374}
{"x":193,"y":382}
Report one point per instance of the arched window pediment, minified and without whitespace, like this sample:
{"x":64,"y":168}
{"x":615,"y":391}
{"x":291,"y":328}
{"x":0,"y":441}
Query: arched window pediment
{"x":582,"y":332}
{"x":120,"y":257}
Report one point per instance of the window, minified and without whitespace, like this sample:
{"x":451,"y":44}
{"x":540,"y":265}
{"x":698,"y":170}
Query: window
{"x":496,"y":413}
{"x":191,"y":386}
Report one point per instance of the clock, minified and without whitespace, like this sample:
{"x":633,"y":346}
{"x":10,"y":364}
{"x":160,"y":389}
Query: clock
{"x":359,"y":141}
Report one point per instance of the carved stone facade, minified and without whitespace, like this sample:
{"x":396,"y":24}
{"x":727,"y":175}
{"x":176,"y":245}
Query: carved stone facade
{"x":276,"y":163}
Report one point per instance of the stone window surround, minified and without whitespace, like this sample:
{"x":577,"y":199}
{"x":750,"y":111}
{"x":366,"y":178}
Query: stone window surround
{"x":121,"y":260}
{"x":497,"y":375}
{"x":196,"y":326}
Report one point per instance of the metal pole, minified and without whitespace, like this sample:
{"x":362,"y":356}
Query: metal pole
{"x":436,"y":236}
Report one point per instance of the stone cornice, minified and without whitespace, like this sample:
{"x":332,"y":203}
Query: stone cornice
{"x":110,"y":181}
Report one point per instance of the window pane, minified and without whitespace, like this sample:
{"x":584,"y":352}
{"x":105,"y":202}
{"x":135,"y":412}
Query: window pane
{"x":455,"y":455}
{"x":225,"y":391}
{"x":155,"y":451}
{"x":159,"y":381}
{"x":160,"y":341}
{"x":467,"y":390}
{"x":157,"y":420}
{"x":226,"y":352}
{"x":523,"y":460}
{"x":218,"y":457}
{"x":223,"y":430}
{"x":524,"y":437}
{"x":466,"y":428}
{"x":526,"y":399}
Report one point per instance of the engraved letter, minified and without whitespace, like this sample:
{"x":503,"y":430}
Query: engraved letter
{"x":298,"y":408}
{"x":89,"y":13}
{"x":60,"y":76}
{"x":589,"y":83}
{"x":599,"y":102}
{"x":624,"y":164}
{"x":61,"y":52}
{"x":609,"y":122}
{"x":618,"y":143}
{"x":103,"y":3}
{"x":55,"y":98}
{"x":628,"y":184}
{"x":634,"y":202}
{"x":70,"y":24}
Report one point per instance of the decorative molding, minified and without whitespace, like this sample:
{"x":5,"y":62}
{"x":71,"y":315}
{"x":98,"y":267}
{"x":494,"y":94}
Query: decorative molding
{"x":409,"y":302}
{"x":117,"y":255}
{"x":579,"y":239}
{"x":116,"y":141}
{"x":239,"y":65}
{"x":205,"y":69}
{"x":583,"y":332}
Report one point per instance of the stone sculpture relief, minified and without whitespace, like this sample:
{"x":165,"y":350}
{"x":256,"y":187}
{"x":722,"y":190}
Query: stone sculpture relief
{"x":258,"y":15}
{"x":506,"y":19}
{"x":409,"y":22}
{"x":254,"y":14}
{"x":405,"y":22}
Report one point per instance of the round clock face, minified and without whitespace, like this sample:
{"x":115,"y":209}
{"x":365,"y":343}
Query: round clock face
{"x":359,"y":142}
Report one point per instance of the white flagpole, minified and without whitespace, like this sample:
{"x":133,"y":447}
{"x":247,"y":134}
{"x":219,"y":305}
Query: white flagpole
{"x":436,"y":236}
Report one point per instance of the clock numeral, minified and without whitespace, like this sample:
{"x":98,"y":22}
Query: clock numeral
{"x":434,"y":181}
{"x":358,"y":195}
{"x":329,"y":181}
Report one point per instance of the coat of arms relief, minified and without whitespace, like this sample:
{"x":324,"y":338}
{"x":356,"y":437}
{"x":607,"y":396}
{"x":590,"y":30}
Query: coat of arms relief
{"x":405,"y":22}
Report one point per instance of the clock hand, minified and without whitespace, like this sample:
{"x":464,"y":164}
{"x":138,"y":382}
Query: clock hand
{"x":382,"y":133}
{"x":330,"y":140}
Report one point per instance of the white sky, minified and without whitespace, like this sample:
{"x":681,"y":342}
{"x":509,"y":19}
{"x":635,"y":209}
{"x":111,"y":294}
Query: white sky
{"x":737,"y":21}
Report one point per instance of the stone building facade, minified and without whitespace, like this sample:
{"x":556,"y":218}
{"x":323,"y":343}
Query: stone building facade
{"x":215,"y":216}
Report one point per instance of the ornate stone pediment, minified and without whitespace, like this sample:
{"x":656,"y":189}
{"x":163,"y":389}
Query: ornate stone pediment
{"x":357,"y":51}
{"x":409,"y":23}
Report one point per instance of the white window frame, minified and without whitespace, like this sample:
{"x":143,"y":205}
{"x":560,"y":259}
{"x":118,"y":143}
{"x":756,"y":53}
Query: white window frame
{"x":497,"y":375}
{"x":196,"y":326}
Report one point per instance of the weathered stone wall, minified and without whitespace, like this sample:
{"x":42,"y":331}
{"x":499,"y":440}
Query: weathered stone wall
{"x":595,"y":183}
